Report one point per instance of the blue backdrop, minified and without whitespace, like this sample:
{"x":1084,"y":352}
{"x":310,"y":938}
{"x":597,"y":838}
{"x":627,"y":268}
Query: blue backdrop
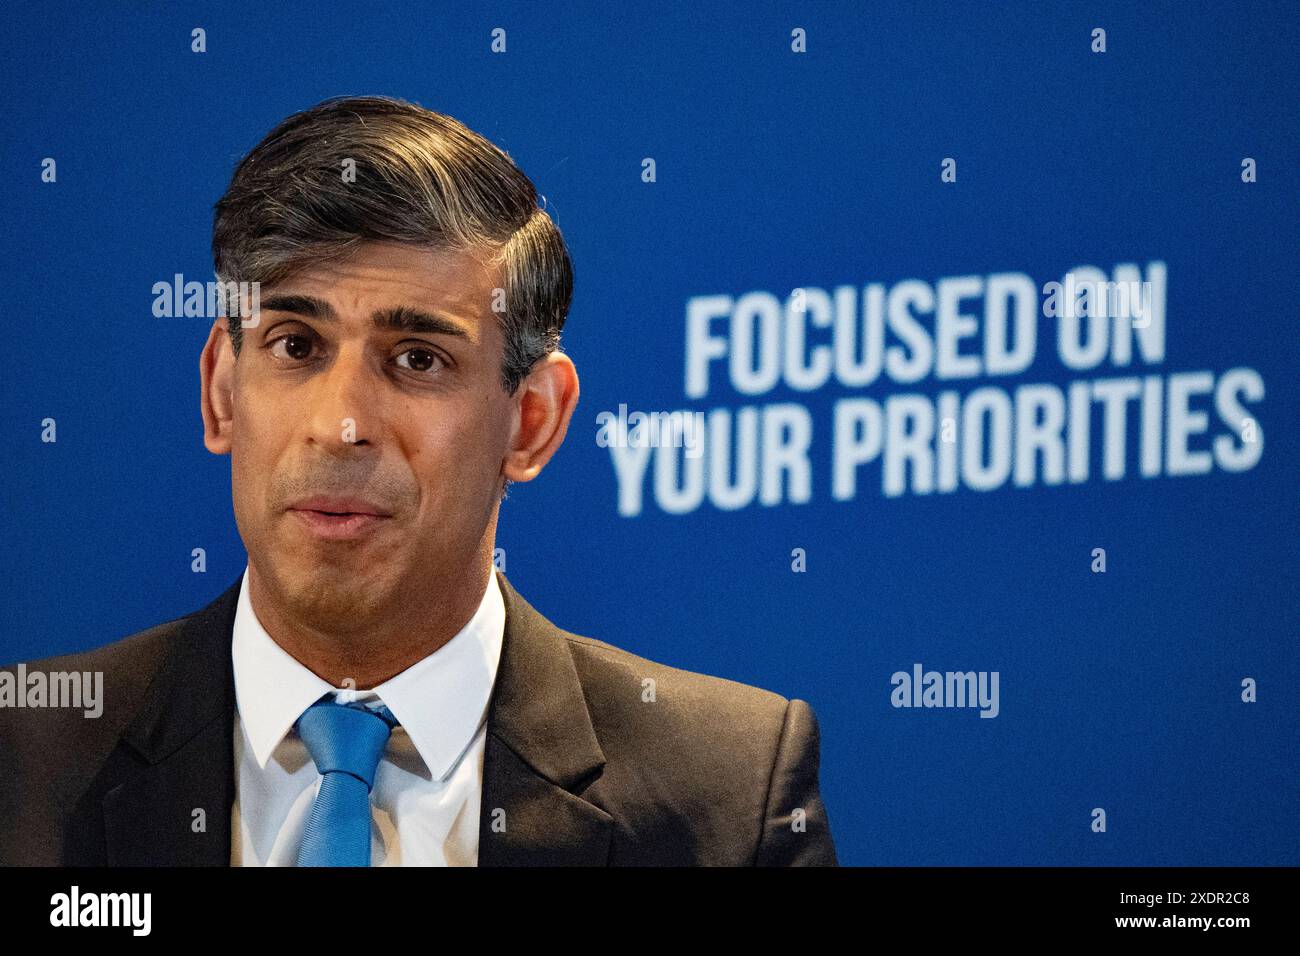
{"x":774,"y":170}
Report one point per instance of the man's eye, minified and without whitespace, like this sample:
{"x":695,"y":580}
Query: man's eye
{"x":424,"y":359}
{"x":300,"y":344}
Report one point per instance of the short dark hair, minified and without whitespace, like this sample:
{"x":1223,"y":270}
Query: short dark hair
{"x":420,"y":177}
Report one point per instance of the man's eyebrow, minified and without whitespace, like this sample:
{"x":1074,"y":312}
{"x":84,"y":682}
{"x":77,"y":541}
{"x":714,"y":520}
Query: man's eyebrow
{"x":400,"y":319}
{"x":405,"y":319}
{"x":300,"y":305}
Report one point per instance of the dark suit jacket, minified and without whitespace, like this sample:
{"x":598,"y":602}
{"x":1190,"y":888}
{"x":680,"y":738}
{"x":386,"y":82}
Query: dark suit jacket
{"x":712,"y":772}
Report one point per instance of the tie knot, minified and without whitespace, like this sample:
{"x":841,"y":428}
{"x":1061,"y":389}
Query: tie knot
{"x":346,"y":737}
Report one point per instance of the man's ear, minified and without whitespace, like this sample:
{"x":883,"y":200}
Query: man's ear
{"x":544,"y":403}
{"x":216,"y":398}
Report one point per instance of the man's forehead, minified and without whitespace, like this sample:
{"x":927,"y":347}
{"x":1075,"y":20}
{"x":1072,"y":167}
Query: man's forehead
{"x":449,"y":280}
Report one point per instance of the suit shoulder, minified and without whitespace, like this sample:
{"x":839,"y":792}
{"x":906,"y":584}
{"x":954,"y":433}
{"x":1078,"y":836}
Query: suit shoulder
{"x":691,"y":759}
{"x":129,"y":652}
{"x":605,"y":663}
{"x":657,"y":714}
{"x":109,"y":680}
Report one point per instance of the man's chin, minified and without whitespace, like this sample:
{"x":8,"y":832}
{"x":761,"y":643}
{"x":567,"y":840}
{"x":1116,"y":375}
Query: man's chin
{"x":334,"y":594}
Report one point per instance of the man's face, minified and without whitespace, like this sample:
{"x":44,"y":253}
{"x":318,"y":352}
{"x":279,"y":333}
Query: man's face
{"x":408,"y":422}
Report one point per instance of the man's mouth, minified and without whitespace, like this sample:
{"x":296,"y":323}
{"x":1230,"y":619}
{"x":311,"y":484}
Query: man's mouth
{"x":338,"y":525}
{"x":338,"y":518}
{"x":340,"y":505}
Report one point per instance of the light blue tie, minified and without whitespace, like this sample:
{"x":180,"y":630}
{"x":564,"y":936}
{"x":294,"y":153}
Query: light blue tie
{"x":346,"y":741}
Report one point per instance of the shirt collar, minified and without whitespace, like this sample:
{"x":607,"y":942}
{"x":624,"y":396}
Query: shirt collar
{"x":440,"y":700}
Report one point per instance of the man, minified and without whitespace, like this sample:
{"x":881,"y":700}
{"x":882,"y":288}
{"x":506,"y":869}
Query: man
{"x":371,"y":691}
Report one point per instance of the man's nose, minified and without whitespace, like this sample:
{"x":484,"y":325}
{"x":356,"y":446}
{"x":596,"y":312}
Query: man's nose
{"x":345,"y":401}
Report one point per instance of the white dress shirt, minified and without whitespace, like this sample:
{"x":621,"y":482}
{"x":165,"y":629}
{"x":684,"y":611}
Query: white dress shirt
{"x":425,"y":802}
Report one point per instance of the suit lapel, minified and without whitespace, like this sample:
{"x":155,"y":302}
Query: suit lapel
{"x":541,"y":753}
{"x":182,"y":733}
